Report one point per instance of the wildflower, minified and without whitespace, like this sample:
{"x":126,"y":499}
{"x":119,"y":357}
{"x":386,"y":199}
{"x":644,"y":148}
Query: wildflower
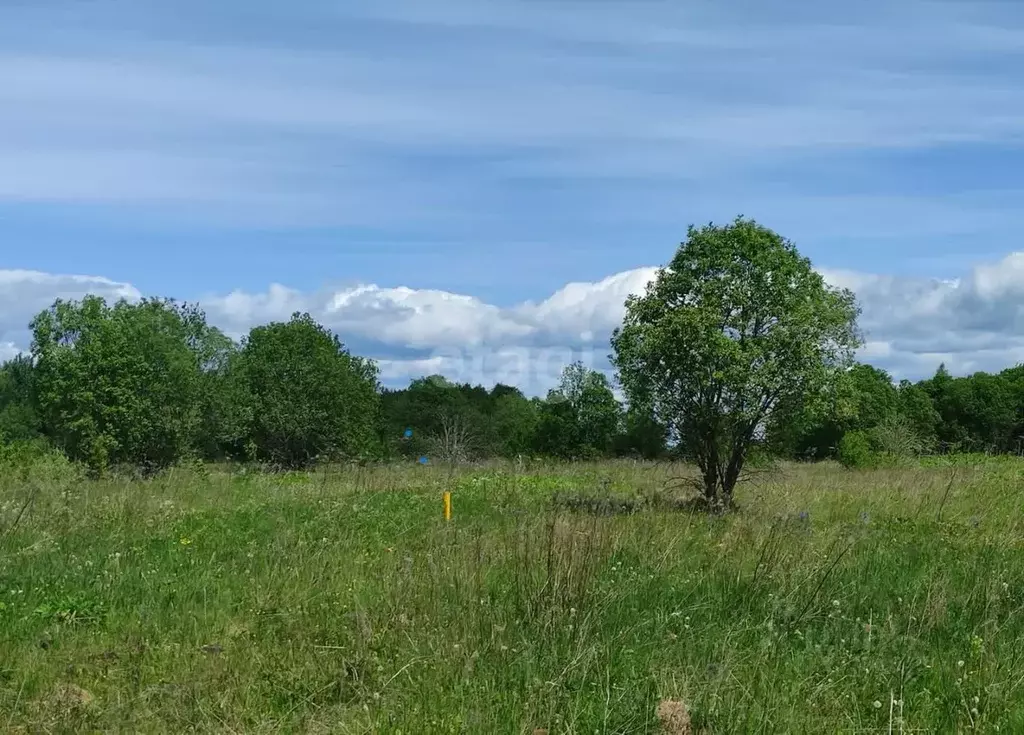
{"x":804,"y":515}
{"x":960,"y":664}
{"x":878,"y":705}
{"x":835,"y":603}
{"x":184,"y":541}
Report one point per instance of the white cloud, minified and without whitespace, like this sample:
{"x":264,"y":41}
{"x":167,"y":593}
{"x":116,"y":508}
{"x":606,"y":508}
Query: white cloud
{"x":588,"y":308}
{"x":975,"y":322}
{"x":24,"y":293}
{"x":422,"y":319}
{"x":971,"y":323}
{"x":8,"y":350}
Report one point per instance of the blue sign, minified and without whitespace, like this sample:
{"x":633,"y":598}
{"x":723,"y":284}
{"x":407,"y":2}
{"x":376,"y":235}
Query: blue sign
{"x":422,"y":460}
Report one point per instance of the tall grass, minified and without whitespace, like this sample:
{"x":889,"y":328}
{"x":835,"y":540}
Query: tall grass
{"x":340,"y":601}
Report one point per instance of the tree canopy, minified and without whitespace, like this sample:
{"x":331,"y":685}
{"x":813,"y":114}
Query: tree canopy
{"x":119,"y":384}
{"x":305,"y":395}
{"x":737,"y":330}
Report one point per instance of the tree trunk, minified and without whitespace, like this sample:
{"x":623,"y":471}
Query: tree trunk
{"x":732,"y":476}
{"x":707,"y":462}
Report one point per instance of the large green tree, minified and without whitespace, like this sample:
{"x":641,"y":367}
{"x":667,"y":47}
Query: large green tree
{"x":120,"y":384}
{"x":597,"y":411}
{"x":306,"y":396}
{"x":580,"y":418}
{"x":738,"y":330}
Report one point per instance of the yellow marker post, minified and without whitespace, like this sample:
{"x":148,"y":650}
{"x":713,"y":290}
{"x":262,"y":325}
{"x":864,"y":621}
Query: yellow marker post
{"x":447,"y":506}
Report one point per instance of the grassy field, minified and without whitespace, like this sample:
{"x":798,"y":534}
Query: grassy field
{"x":340,"y":601}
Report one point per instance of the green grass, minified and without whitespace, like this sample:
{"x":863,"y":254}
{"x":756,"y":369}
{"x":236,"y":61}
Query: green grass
{"x":342,"y":602}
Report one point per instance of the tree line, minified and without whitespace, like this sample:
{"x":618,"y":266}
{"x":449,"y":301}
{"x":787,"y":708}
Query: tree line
{"x":871,"y":417}
{"x":150,"y":383}
{"x":737,"y":344}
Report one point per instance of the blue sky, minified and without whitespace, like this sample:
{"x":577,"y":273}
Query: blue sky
{"x":428,"y":176}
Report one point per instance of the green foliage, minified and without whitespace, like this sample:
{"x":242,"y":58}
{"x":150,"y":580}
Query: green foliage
{"x":305,"y":396}
{"x":871,"y":395}
{"x":515,"y":424}
{"x":859,"y":400}
{"x":432,"y":406}
{"x":19,"y":419}
{"x":150,"y":384}
{"x":591,"y":406}
{"x":35,"y":464}
{"x":224,"y":414}
{"x":226,"y":410}
{"x":643,"y":435}
{"x":982,"y":412}
{"x":916,"y":406}
{"x":581,"y":418}
{"x":896,"y":437}
{"x":558,"y":431}
{"x":120,"y":384}
{"x":737,"y":332}
{"x":855,"y":451}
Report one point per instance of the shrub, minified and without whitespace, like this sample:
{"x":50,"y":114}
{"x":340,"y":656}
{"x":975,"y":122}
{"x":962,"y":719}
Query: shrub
{"x":855,"y":451}
{"x":896,"y":437}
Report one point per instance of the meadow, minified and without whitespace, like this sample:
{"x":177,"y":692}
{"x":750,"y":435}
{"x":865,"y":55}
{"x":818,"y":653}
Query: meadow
{"x":559,"y":598}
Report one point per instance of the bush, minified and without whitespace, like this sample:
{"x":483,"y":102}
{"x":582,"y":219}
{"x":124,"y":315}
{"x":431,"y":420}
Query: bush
{"x":37,"y":463}
{"x":17,"y":454}
{"x":896,"y":438}
{"x":855,"y":451}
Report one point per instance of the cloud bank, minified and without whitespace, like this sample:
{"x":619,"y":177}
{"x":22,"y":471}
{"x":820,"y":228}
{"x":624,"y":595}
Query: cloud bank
{"x":912,"y":324}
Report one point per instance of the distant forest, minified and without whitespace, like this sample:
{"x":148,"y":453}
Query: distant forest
{"x":150,"y":383}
